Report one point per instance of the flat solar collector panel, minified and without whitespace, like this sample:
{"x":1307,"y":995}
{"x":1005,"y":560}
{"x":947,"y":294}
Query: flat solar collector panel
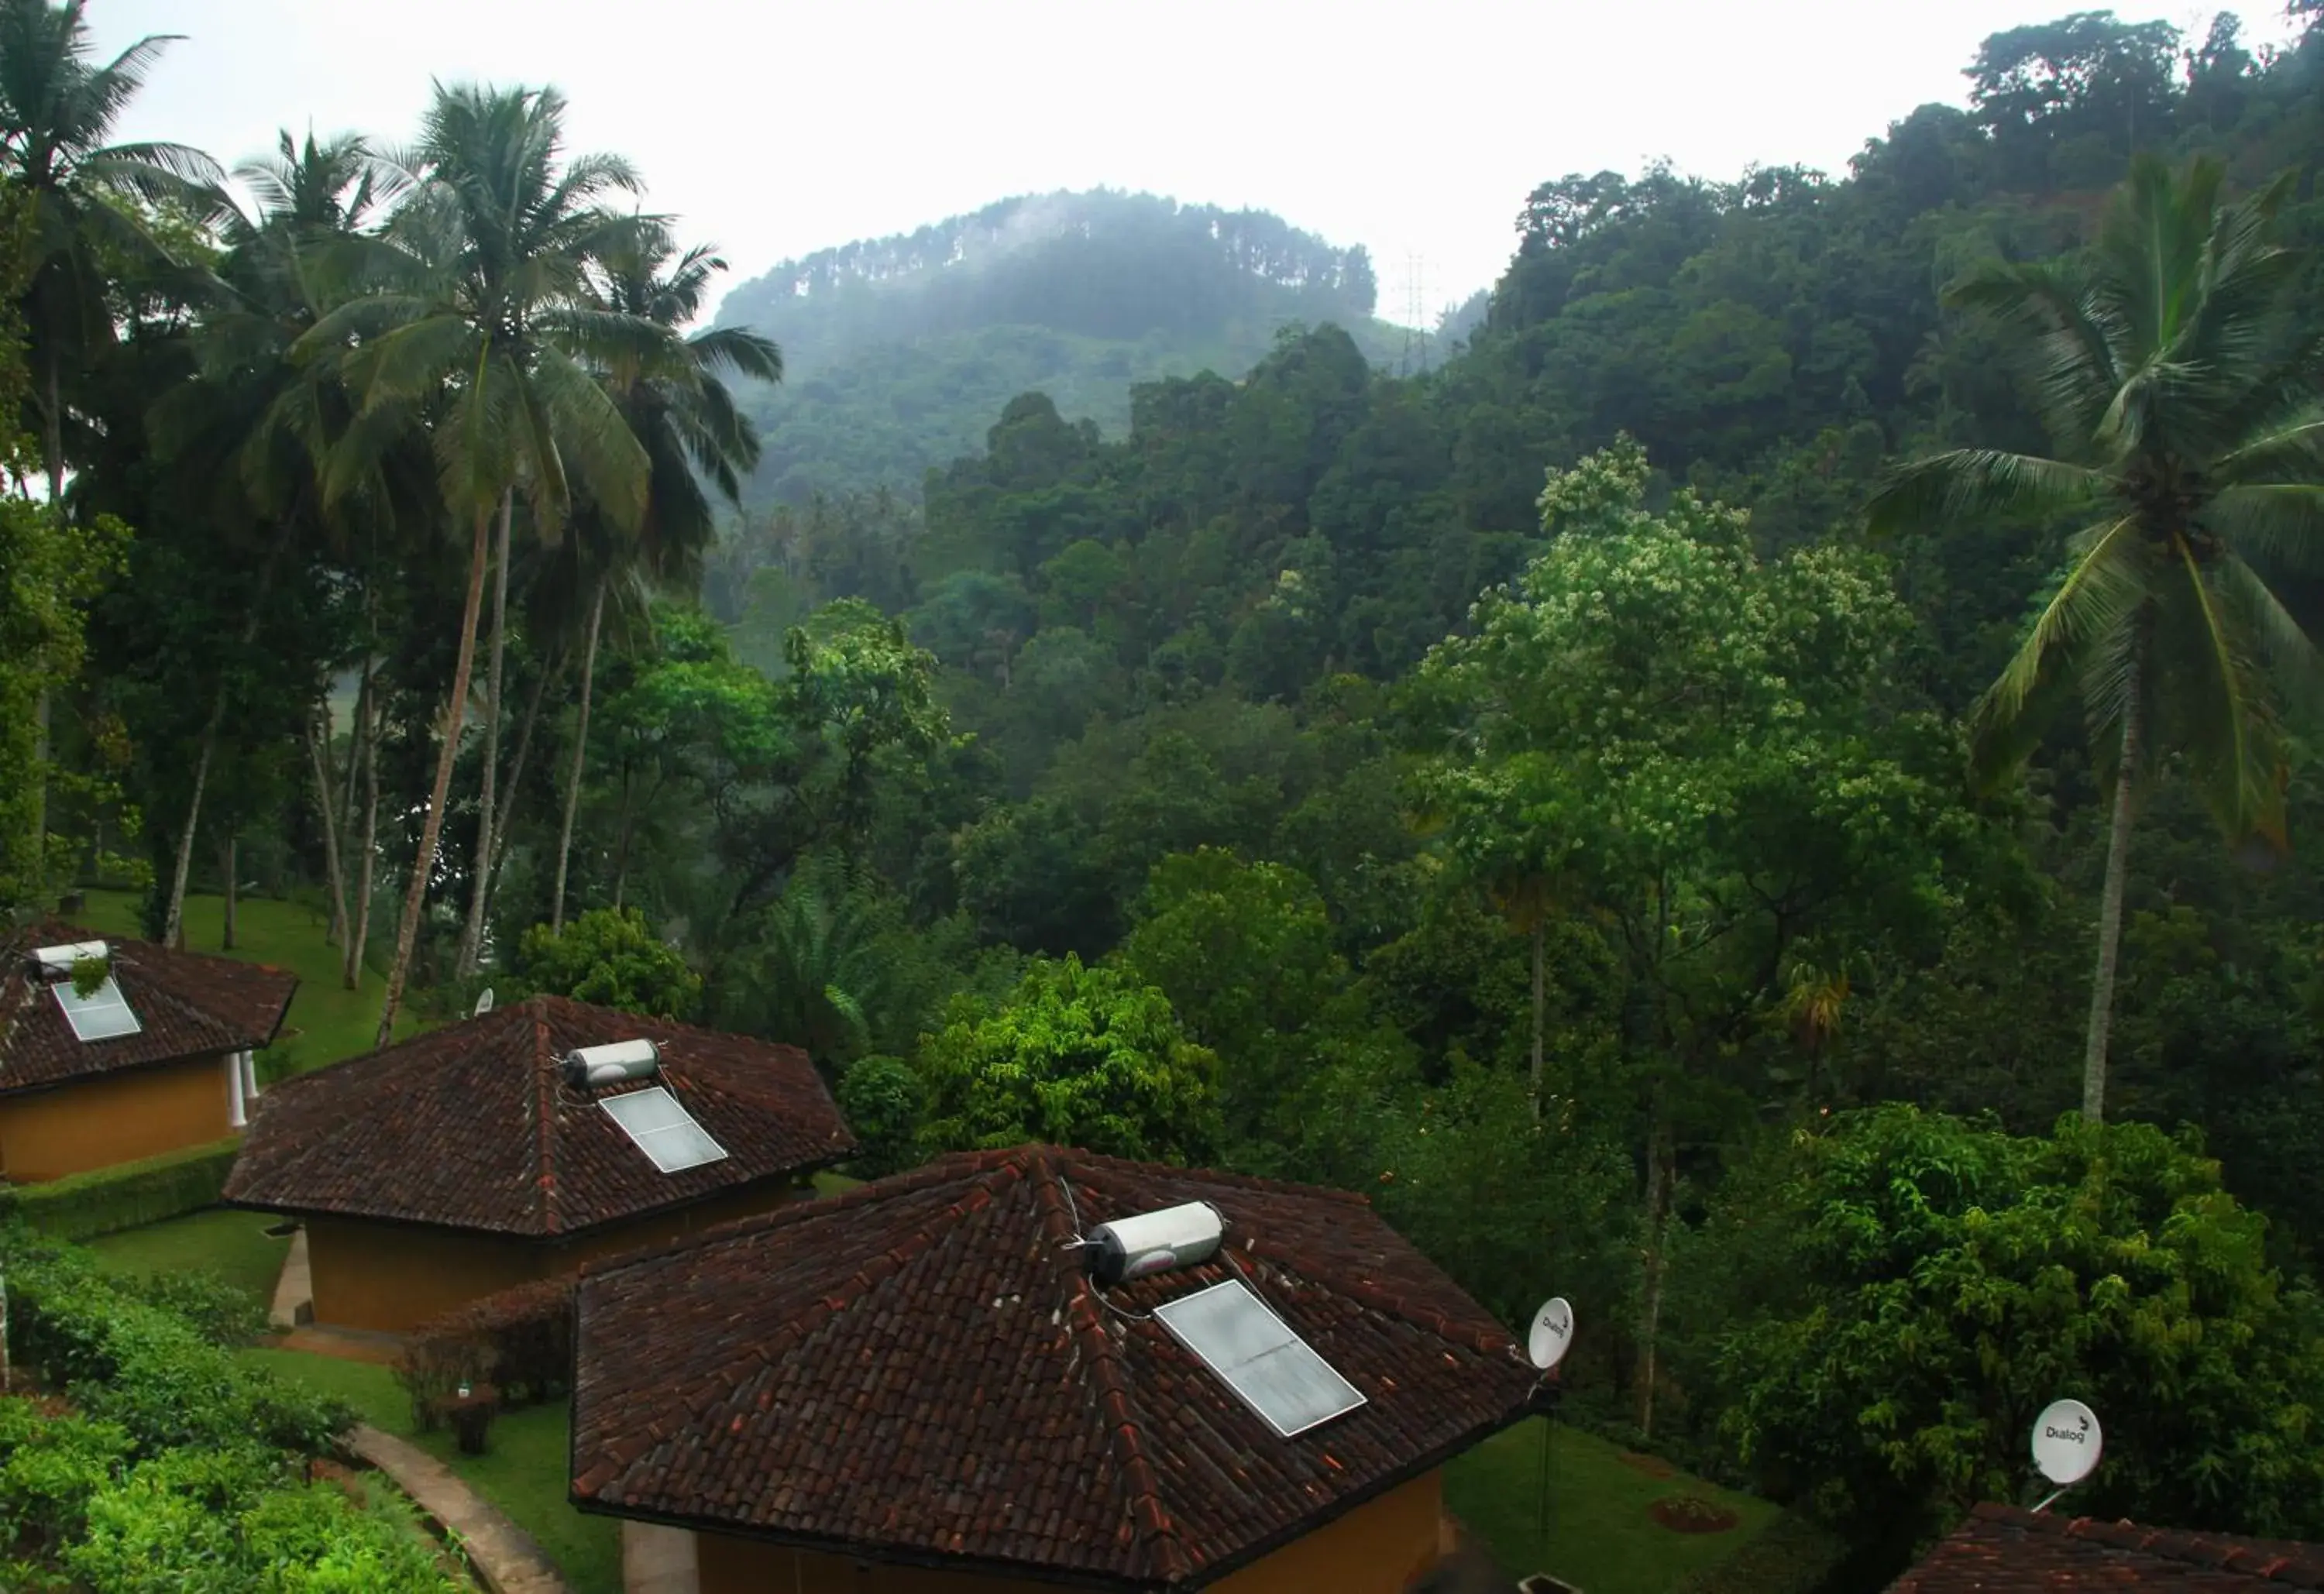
{"x":661,"y":1129}
{"x":102,"y":1015}
{"x":1269,"y":1368}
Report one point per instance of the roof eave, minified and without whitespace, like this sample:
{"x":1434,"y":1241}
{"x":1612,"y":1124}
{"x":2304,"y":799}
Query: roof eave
{"x":879,"y":1554}
{"x":1531,"y":1405}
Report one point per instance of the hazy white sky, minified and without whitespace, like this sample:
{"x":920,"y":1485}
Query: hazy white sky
{"x":776,"y":127}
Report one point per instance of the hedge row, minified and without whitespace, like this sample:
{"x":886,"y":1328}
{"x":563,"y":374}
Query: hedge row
{"x":519,"y":1341}
{"x":82,"y":1206}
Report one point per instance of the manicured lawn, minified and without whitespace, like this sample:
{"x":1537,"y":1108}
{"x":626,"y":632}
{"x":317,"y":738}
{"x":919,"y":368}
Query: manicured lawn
{"x":524,"y":1472}
{"x":233,"y":1245}
{"x":329,"y":1021}
{"x":1600,"y":1538}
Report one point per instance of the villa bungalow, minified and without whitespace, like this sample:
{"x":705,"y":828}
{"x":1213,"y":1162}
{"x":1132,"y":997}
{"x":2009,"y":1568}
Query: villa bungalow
{"x":157,"y":1057}
{"x":2002,"y":1549}
{"x":973,"y":1377}
{"x":514,"y":1145}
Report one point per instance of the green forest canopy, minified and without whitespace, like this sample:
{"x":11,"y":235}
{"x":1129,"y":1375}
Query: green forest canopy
{"x":1289,"y":778}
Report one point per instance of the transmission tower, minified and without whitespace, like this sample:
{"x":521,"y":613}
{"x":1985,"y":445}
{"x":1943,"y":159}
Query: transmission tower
{"x":1416,"y":316}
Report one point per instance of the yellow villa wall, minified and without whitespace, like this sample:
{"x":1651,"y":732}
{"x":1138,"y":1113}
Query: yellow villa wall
{"x":1378,"y":1548}
{"x":393,"y":1276}
{"x":99,"y":1123}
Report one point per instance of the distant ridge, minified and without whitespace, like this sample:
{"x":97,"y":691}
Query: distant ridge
{"x":901,"y":350}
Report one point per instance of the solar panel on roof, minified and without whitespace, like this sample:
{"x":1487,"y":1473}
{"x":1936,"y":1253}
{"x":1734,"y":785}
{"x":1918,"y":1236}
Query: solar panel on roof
{"x":1272,"y":1371}
{"x":102,"y":1015}
{"x":662,"y":1130}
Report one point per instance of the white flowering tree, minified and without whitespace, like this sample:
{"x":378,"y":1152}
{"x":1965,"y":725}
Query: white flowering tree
{"x":1704,"y":759}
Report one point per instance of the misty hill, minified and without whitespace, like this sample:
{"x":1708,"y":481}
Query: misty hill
{"x":900,"y":350}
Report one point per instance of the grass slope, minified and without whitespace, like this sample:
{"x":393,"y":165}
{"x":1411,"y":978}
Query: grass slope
{"x":233,"y":1245}
{"x":1600,"y":1538}
{"x":326,"y":1021}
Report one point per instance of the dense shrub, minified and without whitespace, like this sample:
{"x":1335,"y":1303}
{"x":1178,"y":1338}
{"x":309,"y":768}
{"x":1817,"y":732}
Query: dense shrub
{"x":82,"y":1206}
{"x":221,"y":1312}
{"x":146,"y":1366}
{"x":49,"y":1468}
{"x":521,"y":1341}
{"x":881,"y":1098}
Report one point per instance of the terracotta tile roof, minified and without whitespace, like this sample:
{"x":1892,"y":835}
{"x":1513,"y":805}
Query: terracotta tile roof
{"x":918,"y":1371}
{"x":2007,"y":1547}
{"x":187,"y":1005}
{"x":472,"y":1127}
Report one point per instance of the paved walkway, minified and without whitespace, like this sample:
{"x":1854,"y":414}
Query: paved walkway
{"x":506,"y":1559}
{"x":347,"y":1344}
{"x":294,"y":1290}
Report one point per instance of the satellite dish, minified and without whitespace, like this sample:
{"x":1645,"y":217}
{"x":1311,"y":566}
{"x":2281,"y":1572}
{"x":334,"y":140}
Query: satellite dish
{"x":484,"y":1003}
{"x":2066,"y":1441}
{"x":1553,"y":1332}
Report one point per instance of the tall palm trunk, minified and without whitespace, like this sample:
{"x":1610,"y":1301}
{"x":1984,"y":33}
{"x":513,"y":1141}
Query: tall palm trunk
{"x":366,"y":727}
{"x":423,"y":862}
{"x":580,"y":748}
{"x":500,"y":822}
{"x":2094,"y":1054}
{"x":330,"y":814}
{"x":174,"y":918}
{"x":227,"y":869}
{"x":52,"y":446}
{"x":472,"y":934}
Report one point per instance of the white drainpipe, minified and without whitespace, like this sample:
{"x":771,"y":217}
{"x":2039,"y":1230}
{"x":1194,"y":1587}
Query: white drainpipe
{"x":236,"y":1117}
{"x":250,"y":1075}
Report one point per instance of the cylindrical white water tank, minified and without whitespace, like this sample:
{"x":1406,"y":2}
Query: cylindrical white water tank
{"x":1150,"y":1242}
{"x":612,"y":1064}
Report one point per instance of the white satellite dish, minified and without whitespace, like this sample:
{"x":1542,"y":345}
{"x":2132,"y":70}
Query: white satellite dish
{"x":1553,"y":1332}
{"x":2066,"y":1441}
{"x":484,"y":1003}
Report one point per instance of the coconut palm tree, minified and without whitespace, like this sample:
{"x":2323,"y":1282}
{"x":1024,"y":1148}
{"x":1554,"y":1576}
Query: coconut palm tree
{"x":2178,"y":388}
{"x":252,"y":427}
{"x":692,"y":432}
{"x":58,"y":108}
{"x":480,"y":329}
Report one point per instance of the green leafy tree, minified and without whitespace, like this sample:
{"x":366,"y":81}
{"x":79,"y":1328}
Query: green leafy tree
{"x":1948,"y":1280}
{"x":1701,"y":755}
{"x":2178,"y":388}
{"x":882,"y":1100}
{"x":610,"y":957}
{"x":1090,"y":1058}
{"x":1244,"y":952}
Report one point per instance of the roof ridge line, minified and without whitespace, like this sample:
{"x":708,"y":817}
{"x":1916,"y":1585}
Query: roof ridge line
{"x":544,"y":1115}
{"x":1155,"y":1525}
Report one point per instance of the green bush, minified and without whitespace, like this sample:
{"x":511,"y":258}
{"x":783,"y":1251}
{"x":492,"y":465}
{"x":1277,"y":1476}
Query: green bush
{"x":146,"y":1367}
{"x":881,"y":1098}
{"x":82,"y":1206}
{"x":519,"y":1339}
{"x":50,"y":1469}
{"x":221,"y":1312}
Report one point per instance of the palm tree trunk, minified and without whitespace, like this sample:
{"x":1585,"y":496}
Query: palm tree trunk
{"x":2094,"y":1054}
{"x":174,"y":918}
{"x":472,"y":934}
{"x":52,"y":446}
{"x":515,"y":783}
{"x":580,"y":748}
{"x":367,"y":728}
{"x":227,"y":871}
{"x":323,"y":801}
{"x":423,"y":862}
{"x":1540,"y":930}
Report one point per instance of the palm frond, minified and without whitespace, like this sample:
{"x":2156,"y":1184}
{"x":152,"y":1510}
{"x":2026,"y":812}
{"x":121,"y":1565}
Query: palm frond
{"x":2100,"y":593}
{"x":1975,"y":484}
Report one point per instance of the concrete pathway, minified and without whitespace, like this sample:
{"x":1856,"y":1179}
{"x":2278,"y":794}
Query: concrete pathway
{"x":347,"y":1344}
{"x":506,"y":1559}
{"x":294,"y":1290}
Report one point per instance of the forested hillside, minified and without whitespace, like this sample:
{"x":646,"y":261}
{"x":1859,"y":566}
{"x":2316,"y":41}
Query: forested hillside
{"x":1771,"y":795}
{"x":900,"y":350}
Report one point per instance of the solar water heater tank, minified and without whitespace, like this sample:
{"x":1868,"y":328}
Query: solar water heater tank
{"x":1154,"y":1242}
